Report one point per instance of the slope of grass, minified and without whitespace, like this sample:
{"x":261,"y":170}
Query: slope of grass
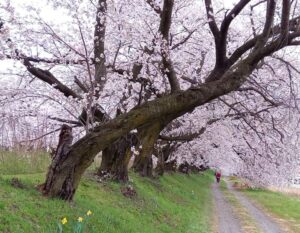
{"x":16,"y":162}
{"x":281,"y":205}
{"x":173,"y":203}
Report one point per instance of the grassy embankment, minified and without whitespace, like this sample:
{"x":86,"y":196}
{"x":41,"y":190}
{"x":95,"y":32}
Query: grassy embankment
{"x":173,"y":203}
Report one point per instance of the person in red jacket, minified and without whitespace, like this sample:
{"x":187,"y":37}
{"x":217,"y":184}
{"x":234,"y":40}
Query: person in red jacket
{"x":218,"y":176}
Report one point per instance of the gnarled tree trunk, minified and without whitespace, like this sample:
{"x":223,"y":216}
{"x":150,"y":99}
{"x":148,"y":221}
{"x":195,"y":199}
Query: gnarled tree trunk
{"x":148,"y":135}
{"x":120,"y":167}
{"x":107,"y":161}
{"x":116,"y":157}
{"x":82,"y":153}
{"x":62,"y":150}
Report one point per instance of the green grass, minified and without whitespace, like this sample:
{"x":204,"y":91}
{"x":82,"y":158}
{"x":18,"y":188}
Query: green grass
{"x":281,"y":205}
{"x":173,"y":203}
{"x":12,"y":162}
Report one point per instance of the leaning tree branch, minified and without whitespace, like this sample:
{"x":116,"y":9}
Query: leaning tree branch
{"x":263,"y":38}
{"x":65,"y":121}
{"x":49,"y":78}
{"x":240,"y":51}
{"x":57,"y":61}
{"x":170,"y":106}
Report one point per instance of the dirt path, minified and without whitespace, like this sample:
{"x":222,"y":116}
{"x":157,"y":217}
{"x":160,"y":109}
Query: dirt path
{"x":264,"y":222}
{"x":229,"y":223}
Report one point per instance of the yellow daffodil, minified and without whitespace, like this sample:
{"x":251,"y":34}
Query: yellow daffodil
{"x":89,"y":213}
{"x":80,"y":219}
{"x":64,"y":221}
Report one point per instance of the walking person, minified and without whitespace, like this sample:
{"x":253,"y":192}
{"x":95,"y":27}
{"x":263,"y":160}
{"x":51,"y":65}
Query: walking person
{"x":218,"y":176}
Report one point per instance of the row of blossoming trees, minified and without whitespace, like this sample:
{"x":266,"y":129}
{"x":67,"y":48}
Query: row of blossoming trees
{"x":183,"y":80}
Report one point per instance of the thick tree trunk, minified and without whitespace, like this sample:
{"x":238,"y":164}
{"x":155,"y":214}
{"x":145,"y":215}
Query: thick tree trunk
{"x":148,"y":135}
{"x":120,"y":167}
{"x":62,"y":150}
{"x":116,"y":157}
{"x":64,"y":175}
{"x":107,"y":161}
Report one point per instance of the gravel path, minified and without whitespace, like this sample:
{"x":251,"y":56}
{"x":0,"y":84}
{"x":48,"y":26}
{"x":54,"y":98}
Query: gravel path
{"x":227,"y":222}
{"x":264,"y":222}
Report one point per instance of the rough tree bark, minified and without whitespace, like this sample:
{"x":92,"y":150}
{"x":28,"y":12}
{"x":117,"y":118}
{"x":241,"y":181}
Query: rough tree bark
{"x":116,"y":157}
{"x":107,"y":160}
{"x":120,"y":167}
{"x":148,"y":136}
{"x":63,"y":147}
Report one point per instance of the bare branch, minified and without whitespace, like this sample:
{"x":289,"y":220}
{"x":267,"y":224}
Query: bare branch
{"x":220,"y":37}
{"x":49,"y":78}
{"x":277,"y":130}
{"x":261,"y":94}
{"x":221,"y":46}
{"x":164,"y":28}
{"x":211,"y":19}
{"x":86,"y":54}
{"x":116,"y":55}
{"x":287,"y":63}
{"x":263,"y":38}
{"x":237,"y":54}
{"x":55,"y":35}
{"x":65,"y":120}
{"x":183,"y":41}
{"x":286,"y":7}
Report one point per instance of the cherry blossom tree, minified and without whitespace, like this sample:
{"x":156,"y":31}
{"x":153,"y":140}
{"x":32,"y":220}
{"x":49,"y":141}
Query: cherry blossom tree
{"x":152,"y":62}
